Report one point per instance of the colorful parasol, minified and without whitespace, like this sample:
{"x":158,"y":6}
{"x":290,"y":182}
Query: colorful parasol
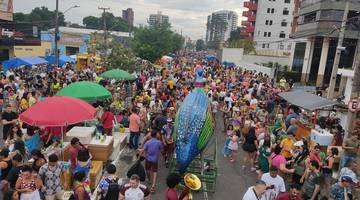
{"x":118,"y":74}
{"x":58,"y":111}
{"x":85,"y":90}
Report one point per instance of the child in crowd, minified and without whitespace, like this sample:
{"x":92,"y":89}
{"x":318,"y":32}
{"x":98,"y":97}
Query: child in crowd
{"x":233,"y":147}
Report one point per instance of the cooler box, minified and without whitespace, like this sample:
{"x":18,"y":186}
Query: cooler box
{"x":323,"y":137}
{"x":101,"y":150}
{"x":83,"y":133}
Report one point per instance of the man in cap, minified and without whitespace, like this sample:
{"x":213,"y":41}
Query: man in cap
{"x":338,"y":190}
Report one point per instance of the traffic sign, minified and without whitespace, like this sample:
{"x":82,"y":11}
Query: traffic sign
{"x":354,"y":105}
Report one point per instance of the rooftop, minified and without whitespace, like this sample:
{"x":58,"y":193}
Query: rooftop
{"x":64,"y":29}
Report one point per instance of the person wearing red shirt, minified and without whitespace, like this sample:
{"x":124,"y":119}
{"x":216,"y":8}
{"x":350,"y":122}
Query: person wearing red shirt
{"x":106,"y":121}
{"x":74,"y":150}
{"x":293,"y":194}
{"x":171,"y":194}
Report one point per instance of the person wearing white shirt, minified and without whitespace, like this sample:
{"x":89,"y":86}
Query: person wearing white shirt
{"x":255,"y":192}
{"x":275,"y":184}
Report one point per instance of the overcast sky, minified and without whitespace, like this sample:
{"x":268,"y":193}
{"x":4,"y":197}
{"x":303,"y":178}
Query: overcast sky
{"x":187,"y":15}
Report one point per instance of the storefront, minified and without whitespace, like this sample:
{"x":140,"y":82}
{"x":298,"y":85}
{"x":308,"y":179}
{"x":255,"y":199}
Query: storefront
{"x":15,"y":36}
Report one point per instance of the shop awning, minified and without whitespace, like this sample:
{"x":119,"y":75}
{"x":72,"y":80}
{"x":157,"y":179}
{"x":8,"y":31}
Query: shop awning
{"x":22,"y":61}
{"x":306,"y":100}
{"x":62,"y":60}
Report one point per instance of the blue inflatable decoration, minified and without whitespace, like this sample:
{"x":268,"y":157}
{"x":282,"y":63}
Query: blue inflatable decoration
{"x":193,"y":124}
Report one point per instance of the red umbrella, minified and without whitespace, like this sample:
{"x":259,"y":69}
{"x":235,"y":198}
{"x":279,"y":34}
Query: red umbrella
{"x":58,"y":111}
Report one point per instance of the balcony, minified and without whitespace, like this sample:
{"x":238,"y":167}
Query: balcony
{"x":251,"y":18}
{"x":245,"y":13}
{"x":245,"y":23}
{"x":250,"y":5}
{"x":250,"y":29}
{"x":244,"y":33}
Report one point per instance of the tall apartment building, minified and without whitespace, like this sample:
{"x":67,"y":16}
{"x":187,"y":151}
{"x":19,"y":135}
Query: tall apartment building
{"x":273,"y":27}
{"x":220,"y":24}
{"x":158,"y":18}
{"x":318,"y":24}
{"x":128,"y":16}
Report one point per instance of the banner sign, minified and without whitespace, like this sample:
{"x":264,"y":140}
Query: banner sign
{"x":21,"y":34}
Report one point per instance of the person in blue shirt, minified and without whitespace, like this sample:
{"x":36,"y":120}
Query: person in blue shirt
{"x":152,"y":150}
{"x":337,"y":191}
{"x":109,"y":187}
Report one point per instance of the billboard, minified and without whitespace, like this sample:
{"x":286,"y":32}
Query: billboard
{"x":6,"y":10}
{"x":69,"y":39}
{"x":24,"y":34}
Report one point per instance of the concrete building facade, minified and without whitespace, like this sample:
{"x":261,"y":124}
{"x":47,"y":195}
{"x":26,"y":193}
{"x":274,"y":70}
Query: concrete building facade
{"x":220,"y":24}
{"x":158,"y":18}
{"x":318,"y":24}
{"x":128,"y":16}
{"x":273,"y":26}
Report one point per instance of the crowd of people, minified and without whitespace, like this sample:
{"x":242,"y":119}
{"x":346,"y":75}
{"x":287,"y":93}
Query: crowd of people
{"x":249,"y":116}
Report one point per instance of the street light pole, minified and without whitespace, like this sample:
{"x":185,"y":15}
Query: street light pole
{"x":56,"y":50}
{"x":105,"y":30}
{"x":330,"y":94}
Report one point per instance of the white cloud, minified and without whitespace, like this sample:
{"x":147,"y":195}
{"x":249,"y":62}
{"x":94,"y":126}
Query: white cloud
{"x":188,"y":16}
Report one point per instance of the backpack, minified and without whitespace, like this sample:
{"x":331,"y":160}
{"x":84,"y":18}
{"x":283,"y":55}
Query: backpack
{"x":113,"y":190}
{"x":137,"y":169}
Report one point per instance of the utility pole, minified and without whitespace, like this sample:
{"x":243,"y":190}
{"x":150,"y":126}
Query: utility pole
{"x":355,"y":90}
{"x":104,"y":9}
{"x":331,"y":89}
{"x":56,"y":50}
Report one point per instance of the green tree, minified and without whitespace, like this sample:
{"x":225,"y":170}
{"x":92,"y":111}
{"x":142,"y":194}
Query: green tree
{"x":235,"y":34}
{"x":152,"y":42}
{"x":113,"y":23}
{"x":247,"y":45}
{"x":91,"y":22}
{"x":121,"y":58}
{"x":42,"y":16}
{"x":200,"y":45}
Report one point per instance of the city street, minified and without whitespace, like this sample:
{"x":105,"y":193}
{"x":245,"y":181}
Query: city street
{"x":232,"y":181}
{"x":90,"y":89}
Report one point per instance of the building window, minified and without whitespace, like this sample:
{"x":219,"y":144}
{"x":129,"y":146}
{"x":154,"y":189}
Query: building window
{"x":287,"y":1}
{"x":269,"y":34}
{"x":266,"y":22}
{"x":263,"y":46}
{"x":268,"y":45}
{"x":284,"y":24}
{"x":282,"y":35}
{"x":310,"y":18}
{"x":285,"y":11}
{"x":272,"y":10}
{"x":271,"y":22}
{"x":281,"y":46}
{"x":265,"y":34}
{"x":268,"y":10}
